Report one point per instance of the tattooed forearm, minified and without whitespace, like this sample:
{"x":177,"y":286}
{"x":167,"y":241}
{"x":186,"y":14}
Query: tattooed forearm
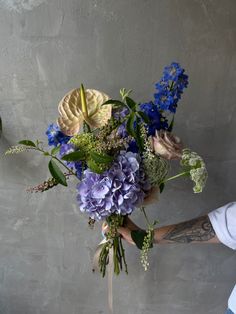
{"x":195,"y":230}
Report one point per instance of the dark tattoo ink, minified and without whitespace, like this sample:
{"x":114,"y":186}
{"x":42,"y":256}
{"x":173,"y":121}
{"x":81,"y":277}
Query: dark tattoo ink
{"x":199,"y":229}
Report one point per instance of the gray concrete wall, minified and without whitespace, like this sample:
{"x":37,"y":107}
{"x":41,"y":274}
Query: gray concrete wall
{"x":48,"y":47}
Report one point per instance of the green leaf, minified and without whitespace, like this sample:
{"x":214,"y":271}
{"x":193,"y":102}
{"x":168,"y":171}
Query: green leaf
{"x":74,"y":156}
{"x":144,"y":117}
{"x":94,"y":166}
{"x":161,"y":187}
{"x":170,"y":128}
{"x":101,"y":158}
{"x":27,"y":143}
{"x":55,"y":150}
{"x":138,"y":238}
{"x":130,"y":124}
{"x":46,"y":154}
{"x":57,"y":173}
{"x":114,"y":102}
{"x":130,"y":103}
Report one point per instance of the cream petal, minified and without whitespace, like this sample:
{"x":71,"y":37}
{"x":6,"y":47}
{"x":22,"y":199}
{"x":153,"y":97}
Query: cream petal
{"x":70,"y":111}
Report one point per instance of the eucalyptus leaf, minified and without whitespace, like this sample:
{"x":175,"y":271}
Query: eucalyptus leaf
{"x":57,"y":173}
{"x":130,"y":103}
{"x":27,"y":143}
{"x":101,"y":158}
{"x":74,"y":156}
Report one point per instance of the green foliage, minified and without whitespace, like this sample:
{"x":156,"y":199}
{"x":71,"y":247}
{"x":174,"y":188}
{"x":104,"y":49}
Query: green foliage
{"x":115,"y":103}
{"x":27,"y":143}
{"x":86,"y":127}
{"x":156,"y":168}
{"x":57,"y":173}
{"x":130,"y":103}
{"x":90,"y":149}
{"x":134,"y":117}
{"x":139,"y":135}
{"x":85,"y":142}
{"x":130,"y":124}
{"x":125,"y":93}
{"x":144,"y":117}
{"x":161,"y":187}
{"x":101,"y":158}
{"x":55,"y":150}
{"x":171,"y":124}
{"x":138,"y":237}
{"x":95,"y":167}
{"x":75,"y":156}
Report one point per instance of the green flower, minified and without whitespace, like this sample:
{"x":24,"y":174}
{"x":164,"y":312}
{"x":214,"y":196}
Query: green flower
{"x":196,"y":167}
{"x":16,"y":149}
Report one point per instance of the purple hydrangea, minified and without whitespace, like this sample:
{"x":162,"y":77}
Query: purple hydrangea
{"x":118,"y":190}
{"x":120,"y":114}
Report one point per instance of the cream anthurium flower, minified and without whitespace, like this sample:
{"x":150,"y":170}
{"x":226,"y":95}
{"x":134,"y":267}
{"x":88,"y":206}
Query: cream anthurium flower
{"x":83,"y":105}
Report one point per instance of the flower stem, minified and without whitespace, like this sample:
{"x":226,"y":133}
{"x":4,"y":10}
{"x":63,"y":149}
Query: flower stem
{"x":145,"y":215}
{"x":54,"y":157}
{"x":176,"y":176}
{"x":70,"y":171}
{"x":123,"y":255}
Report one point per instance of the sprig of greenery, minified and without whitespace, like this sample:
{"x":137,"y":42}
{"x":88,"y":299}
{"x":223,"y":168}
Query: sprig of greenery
{"x":134,"y":118}
{"x":53,"y":167}
{"x":90,"y":152}
{"x":144,"y":239}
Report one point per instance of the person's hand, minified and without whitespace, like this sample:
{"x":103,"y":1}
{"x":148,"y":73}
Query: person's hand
{"x":125,"y":231}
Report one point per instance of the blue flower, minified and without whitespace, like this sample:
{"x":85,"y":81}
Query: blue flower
{"x":119,"y":190}
{"x":170,"y":87}
{"x":133,"y":147}
{"x":157,"y":121}
{"x":120,"y":114}
{"x":55,"y":136}
{"x":73,"y":165}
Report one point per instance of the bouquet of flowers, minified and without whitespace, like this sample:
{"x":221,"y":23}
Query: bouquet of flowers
{"x":119,"y":151}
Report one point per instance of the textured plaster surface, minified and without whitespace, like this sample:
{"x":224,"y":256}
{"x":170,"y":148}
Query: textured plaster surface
{"x":46,"y":49}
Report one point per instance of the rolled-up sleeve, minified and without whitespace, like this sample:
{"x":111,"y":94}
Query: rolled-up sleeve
{"x":223,"y":220}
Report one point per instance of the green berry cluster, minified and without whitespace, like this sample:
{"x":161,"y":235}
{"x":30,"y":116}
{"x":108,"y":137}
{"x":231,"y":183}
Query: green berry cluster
{"x":16,"y":149}
{"x":147,"y":243}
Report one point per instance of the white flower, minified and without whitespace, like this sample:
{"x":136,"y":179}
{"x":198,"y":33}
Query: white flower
{"x":197,"y":169}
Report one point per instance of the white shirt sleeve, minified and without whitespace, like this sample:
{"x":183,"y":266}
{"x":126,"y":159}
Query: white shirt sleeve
{"x":223,"y":221}
{"x":232,"y":300}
